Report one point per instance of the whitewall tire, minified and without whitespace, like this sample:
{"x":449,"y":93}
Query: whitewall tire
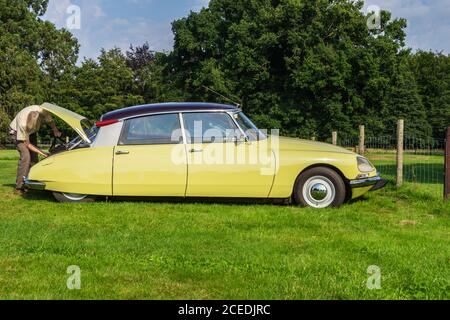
{"x":73,"y":197}
{"x":320,"y":188}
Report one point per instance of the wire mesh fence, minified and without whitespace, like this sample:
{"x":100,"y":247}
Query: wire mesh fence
{"x":423,"y":158}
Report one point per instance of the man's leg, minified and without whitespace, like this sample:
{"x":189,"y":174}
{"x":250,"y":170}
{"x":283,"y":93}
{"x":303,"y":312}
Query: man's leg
{"x":34,"y":156}
{"x":23,"y":167}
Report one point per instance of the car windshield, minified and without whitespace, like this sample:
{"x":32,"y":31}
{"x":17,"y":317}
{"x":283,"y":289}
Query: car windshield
{"x":89,"y":129}
{"x":250,"y":129}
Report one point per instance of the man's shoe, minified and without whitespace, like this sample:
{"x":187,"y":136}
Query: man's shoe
{"x":19,"y":192}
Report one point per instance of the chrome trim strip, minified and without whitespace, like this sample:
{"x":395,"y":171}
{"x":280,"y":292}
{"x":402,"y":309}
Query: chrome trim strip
{"x":34,"y":185}
{"x":173,"y":112}
{"x":83,"y":136}
{"x":183,"y":129}
{"x":364,"y":182}
{"x":185,"y":143}
{"x":231,"y":114}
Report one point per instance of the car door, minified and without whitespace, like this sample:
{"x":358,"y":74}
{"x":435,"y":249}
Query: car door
{"x":220,"y":162}
{"x":150,"y":158}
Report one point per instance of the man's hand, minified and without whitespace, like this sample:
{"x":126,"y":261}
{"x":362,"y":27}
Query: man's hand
{"x":52,"y":124}
{"x":57,"y":133}
{"x":35,"y":149}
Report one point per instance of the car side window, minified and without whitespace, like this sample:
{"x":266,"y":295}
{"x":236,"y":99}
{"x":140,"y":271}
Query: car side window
{"x":152,"y":130}
{"x":210,"y":127}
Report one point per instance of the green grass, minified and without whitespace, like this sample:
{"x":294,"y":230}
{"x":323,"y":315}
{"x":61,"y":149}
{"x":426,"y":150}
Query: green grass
{"x":138,"y":250}
{"x":9,"y":155}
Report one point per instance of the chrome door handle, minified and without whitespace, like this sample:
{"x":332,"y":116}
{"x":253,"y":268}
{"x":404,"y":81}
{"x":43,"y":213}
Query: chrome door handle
{"x":122,"y":152}
{"x":195,"y":150}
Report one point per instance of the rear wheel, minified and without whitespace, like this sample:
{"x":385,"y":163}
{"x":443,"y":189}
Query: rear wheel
{"x":72,"y":197}
{"x":320,"y":188}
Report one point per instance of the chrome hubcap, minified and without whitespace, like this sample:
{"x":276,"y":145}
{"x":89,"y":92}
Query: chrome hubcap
{"x":74,"y":196}
{"x":319,"y":192}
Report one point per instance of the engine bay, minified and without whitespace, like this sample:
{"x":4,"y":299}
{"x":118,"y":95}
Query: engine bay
{"x":60,"y":146}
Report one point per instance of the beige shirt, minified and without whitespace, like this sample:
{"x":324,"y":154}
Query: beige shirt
{"x":19,"y":124}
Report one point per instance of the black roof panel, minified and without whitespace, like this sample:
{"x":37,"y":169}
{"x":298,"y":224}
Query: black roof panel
{"x":165,"y":107}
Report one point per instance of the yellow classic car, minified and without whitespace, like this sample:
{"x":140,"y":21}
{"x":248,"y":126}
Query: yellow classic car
{"x":189,"y":150}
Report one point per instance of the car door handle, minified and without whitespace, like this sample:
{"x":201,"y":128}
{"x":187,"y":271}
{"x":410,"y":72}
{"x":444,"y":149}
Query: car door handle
{"x":195,"y":150}
{"x":122,"y":152}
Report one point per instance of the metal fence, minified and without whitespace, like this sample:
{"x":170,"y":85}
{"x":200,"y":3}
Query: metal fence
{"x":423,"y":158}
{"x":402,"y":157}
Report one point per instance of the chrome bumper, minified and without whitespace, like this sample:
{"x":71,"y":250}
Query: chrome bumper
{"x":376,"y":182}
{"x":33,"y":185}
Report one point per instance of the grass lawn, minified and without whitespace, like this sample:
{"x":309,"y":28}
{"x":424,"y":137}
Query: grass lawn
{"x":138,"y":250}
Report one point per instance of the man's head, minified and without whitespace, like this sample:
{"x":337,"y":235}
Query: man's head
{"x":33,"y":121}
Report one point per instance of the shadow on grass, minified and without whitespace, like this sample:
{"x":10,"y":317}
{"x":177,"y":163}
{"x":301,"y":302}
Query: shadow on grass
{"x":33,"y":195}
{"x":47,"y":196}
{"x":357,"y":200}
{"x":39,"y":196}
{"x":219,"y":201}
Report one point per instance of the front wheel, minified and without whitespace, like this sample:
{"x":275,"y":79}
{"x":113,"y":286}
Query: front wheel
{"x":320,"y":188}
{"x":72,"y":197}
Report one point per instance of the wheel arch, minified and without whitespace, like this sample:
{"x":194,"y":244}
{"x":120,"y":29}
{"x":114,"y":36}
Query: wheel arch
{"x":348,"y":190}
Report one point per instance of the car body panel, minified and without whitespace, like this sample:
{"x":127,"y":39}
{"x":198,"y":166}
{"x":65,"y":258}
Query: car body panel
{"x":295,"y":144}
{"x":82,"y":171}
{"x":108,"y":136}
{"x":148,"y":170}
{"x":295,"y":156}
{"x":230,"y":170}
{"x":73,"y":119}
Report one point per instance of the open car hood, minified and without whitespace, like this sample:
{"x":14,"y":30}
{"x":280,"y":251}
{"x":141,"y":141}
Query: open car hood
{"x":74,"y":120}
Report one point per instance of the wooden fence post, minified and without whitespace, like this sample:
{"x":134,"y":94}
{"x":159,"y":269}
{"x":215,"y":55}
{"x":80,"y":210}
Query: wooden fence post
{"x":362,"y":140}
{"x":334,"y":138}
{"x":400,"y":144}
{"x":447,"y":166}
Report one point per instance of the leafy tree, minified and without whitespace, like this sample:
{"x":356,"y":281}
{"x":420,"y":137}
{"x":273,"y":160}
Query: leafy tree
{"x":142,"y":61}
{"x":432,"y":73}
{"x":406,"y":103}
{"x":307,"y":67}
{"x":97,"y":87}
{"x":33,"y":54}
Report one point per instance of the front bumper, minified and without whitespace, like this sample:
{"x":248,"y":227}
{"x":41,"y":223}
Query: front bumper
{"x":376,"y":183}
{"x":33,"y":185}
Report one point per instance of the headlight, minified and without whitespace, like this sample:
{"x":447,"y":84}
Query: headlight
{"x":364,"y":165}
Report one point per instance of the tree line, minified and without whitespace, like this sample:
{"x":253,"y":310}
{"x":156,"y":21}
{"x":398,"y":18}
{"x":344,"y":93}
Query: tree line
{"x":307,"y":67}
